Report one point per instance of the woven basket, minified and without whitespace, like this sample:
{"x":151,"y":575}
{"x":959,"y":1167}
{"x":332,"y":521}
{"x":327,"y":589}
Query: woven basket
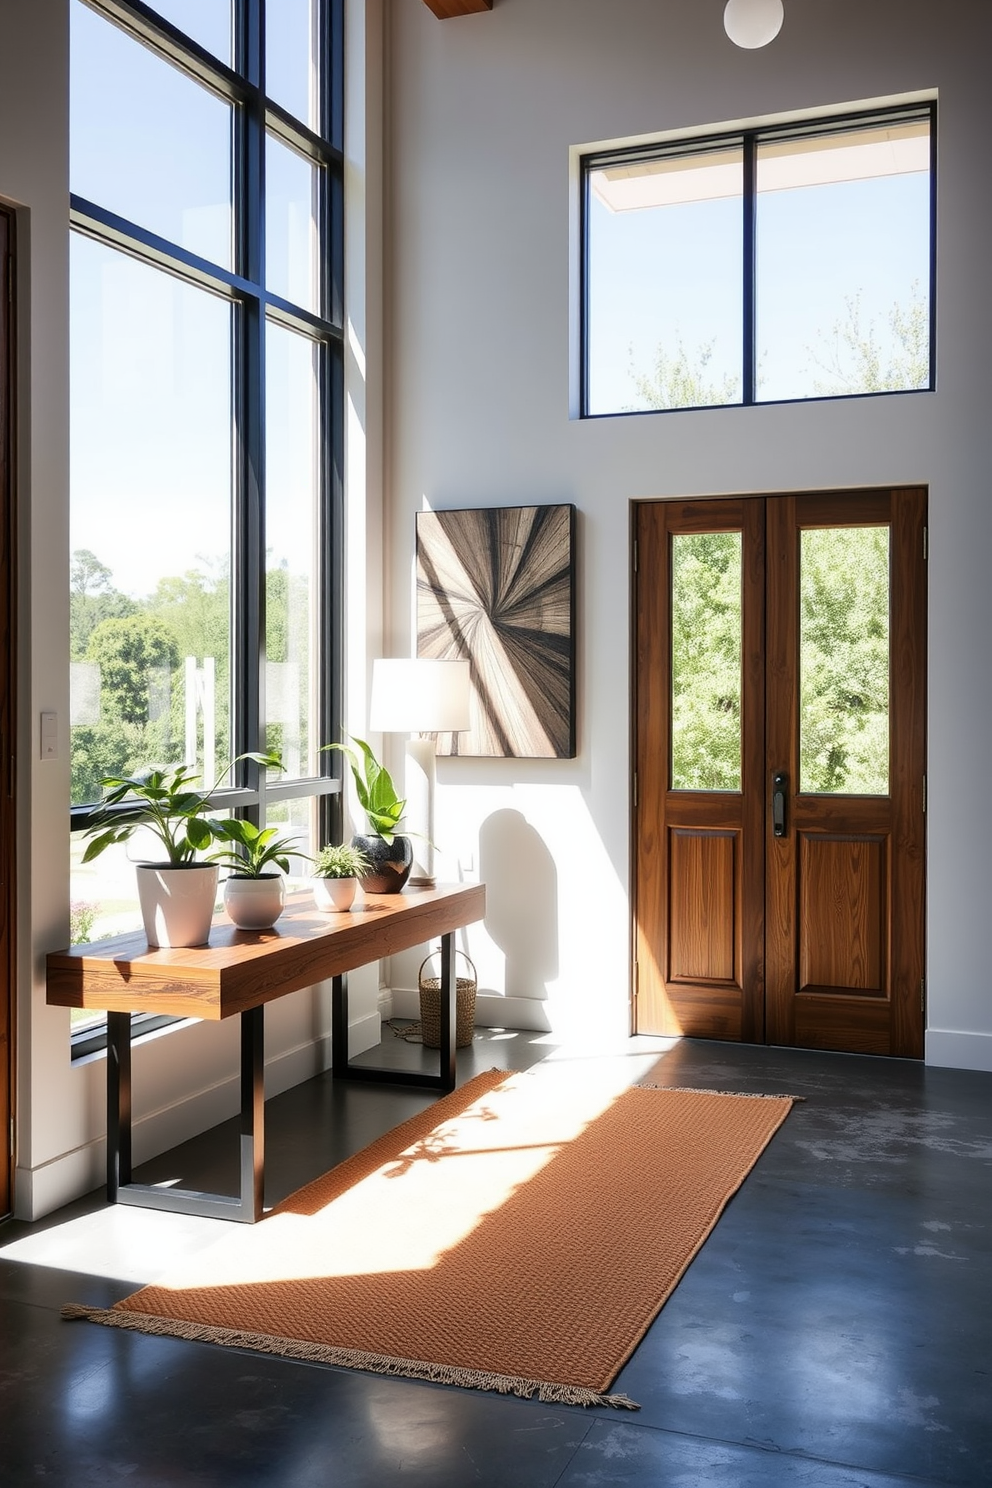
{"x":430,"y":1005}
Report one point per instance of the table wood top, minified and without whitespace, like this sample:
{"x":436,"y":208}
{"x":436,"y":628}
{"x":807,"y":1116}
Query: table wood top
{"x":240,"y":969}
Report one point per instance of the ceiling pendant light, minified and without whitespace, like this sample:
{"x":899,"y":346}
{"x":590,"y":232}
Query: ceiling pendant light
{"x":753,"y":23}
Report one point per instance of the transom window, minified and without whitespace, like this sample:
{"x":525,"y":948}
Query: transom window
{"x":206,"y":410}
{"x":762,"y":266}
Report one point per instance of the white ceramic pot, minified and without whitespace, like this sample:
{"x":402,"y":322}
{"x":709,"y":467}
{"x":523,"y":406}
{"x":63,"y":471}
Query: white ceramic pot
{"x":334,"y":894}
{"x":254,"y":903}
{"x":177,"y":903}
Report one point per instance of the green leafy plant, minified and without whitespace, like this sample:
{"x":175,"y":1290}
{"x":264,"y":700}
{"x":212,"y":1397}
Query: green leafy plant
{"x":341,"y":861}
{"x":252,"y":849}
{"x":376,"y":793}
{"x":166,"y":803}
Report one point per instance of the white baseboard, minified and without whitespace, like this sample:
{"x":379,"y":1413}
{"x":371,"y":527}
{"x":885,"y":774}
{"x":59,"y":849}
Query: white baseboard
{"x":41,"y":1190}
{"x":951,"y":1050}
{"x":491,"y":1011}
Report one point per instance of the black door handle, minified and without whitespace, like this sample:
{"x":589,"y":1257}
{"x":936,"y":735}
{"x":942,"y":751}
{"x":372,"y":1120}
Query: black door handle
{"x":780,"y":784}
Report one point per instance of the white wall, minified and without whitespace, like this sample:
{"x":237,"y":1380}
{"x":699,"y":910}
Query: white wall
{"x":485,"y":114}
{"x":186,"y":1079}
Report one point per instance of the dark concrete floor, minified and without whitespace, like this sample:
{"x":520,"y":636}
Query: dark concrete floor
{"x":835,"y":1331}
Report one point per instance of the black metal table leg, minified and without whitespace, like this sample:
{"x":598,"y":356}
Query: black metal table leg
{"x":248,"y":1205}
{"x":343,"y":1069}
{"x":339,"y":1025}
{"x":118,"y":1102}
{"x":252,"y":1113}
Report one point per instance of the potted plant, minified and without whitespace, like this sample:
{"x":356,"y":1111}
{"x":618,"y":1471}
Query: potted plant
{"x":254,"y":894}
{"x":336,"y":871}
{"x":177,"y":894}
{"x":390,"y":853}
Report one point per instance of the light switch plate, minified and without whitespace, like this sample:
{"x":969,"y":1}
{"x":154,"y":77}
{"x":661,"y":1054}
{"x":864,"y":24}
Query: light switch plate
{"x":49,"y":736}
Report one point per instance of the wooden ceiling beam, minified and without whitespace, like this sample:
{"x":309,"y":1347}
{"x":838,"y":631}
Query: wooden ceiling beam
{"x":445,"y":9}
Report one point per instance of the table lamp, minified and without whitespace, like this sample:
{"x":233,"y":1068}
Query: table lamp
{"x":418,"y":696}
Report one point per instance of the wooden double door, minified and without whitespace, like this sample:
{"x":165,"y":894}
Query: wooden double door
{"x":779,"y":792}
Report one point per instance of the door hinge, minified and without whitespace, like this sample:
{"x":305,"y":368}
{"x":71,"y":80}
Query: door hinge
{"x":636,"y":980}
{"x":923,"y":994}
{"x":926,"y":543}
{"x":12,"y":1136}
{"x":924,"y":795}
{"x":635,"y":554}
{"x":10,"y":280}
{"x":634,"y":785}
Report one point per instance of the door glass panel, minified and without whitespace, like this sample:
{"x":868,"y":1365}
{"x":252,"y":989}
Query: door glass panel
{"x":844,"y":661}
{"x":706,"y":661}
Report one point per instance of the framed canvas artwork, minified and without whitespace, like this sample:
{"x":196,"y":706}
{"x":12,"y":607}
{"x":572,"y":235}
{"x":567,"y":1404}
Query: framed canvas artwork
{"x":497,"y":587}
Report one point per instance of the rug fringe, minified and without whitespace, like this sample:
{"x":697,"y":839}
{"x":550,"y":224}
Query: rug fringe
{"x":548,"y":1392}
{"x":739,"y":1094}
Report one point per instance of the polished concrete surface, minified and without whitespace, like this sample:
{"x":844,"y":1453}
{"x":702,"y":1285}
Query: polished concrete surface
{"x":835,"y":1330}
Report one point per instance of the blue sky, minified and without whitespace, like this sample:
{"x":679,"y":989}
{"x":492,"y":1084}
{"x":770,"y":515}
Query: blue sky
{"x":658,"y":275}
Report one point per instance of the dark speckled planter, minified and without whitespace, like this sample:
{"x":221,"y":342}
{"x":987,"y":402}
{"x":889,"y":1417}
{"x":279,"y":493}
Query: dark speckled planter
{"x":391,"y":861}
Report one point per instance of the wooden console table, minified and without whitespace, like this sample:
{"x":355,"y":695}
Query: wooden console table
{"x":239,"y":971}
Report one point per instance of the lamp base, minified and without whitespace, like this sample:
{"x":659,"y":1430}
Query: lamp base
{"x":419,"y":816}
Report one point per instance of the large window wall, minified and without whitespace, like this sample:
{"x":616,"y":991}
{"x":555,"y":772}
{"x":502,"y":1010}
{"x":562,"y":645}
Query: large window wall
{"x":206,"y":409}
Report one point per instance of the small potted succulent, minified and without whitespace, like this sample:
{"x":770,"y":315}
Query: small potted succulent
{"x":336,"y":872}
{"x":391,"y":853}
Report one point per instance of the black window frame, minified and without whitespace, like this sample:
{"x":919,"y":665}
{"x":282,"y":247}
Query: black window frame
{"x":749,"y":140}
{"x":254,"y":116}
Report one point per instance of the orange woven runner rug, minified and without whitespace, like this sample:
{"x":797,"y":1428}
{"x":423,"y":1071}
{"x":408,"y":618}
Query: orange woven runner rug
{"x":519,"y":1235}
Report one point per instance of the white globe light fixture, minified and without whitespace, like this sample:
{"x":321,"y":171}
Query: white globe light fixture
{"x":753,"y":23}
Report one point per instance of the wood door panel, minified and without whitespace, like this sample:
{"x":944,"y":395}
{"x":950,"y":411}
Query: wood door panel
{"x":843,"y":882}
{"x":702,"y":934}
{"x":697,"y":870}
{"x":850,"y":1025}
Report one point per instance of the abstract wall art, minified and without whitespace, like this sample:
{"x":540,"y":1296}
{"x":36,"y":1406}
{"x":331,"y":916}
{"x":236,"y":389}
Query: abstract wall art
{"x":497,"y":587}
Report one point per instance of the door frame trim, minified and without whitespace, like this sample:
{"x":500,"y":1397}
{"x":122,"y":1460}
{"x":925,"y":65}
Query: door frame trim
{"x":8,"y":666}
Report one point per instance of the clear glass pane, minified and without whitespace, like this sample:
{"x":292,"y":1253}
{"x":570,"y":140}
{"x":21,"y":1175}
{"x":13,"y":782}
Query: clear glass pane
{"x":146,"y":141}
{"x":665,"y":274}
{"x":296,"y":820}
{"x":150,"y":519}
{"x":291,"y":610}
{"x":291,"y":185}
{"x":844,"y":661}
{"x":843,"y":263}
{"x":206,"y":21}
{"x":706,"y":661}
{"x":291,"y":58}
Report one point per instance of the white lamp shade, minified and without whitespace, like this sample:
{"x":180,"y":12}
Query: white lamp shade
{"x":753,"y":23}
{"x":417,"y":695}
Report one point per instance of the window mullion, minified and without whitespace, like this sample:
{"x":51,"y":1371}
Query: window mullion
{"x":749,"y":259}
{"x":248,"y":587}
